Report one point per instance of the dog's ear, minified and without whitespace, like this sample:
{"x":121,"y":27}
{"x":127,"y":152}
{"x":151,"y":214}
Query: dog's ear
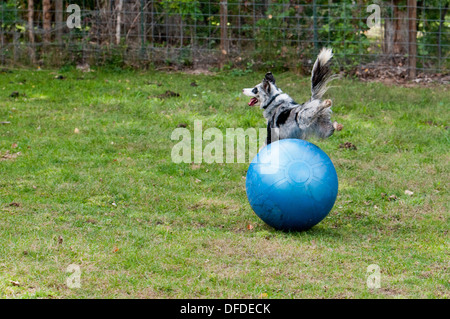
{"x":266,"y":85}
{"x":269,"y":77}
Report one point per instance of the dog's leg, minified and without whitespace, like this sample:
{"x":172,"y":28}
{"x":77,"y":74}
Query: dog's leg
{"x":311,"y":111}
{"x":324,"y":105}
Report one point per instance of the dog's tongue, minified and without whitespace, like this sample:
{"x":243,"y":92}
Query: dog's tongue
{"x":253,"y":101}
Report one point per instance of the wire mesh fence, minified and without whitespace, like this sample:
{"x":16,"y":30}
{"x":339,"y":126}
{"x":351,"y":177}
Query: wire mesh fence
{"x":405,"y":36}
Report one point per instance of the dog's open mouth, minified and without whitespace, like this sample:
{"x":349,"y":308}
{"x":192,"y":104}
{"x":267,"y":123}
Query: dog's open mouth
{"x":253,"y":101}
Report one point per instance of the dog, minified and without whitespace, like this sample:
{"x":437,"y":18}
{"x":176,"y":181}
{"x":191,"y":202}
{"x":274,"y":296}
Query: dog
{"x":288,"y":119}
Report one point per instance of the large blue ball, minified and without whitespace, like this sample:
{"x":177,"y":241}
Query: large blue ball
{"x":291,"y":184}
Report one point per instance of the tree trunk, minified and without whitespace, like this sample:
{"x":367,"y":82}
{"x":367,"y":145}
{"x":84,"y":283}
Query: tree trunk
{"x":396,"y":34}
{"x":46,"y":20}
{"x":118,"y":22}
{"x":31,"y":30}
{"x":59,"y":20}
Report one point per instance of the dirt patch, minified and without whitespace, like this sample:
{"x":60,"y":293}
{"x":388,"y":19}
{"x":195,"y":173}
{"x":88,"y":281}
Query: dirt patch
{"x":390,"y":72}
{"x":168,"y":94}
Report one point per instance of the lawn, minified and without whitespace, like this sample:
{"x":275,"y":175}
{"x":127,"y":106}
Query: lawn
{"x":86,"y":178}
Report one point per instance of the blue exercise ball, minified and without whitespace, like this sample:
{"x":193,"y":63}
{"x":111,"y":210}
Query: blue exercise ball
{"x":291,"y":184}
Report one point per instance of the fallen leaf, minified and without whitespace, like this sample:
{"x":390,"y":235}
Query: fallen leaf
{"x":15,"y":283}
{"x":14,"y":204}
{"x":8,"y":156}
{"x":408,"y":192}
{"x":76,"y":131}
{"x":249,"y":227}
{"x":116,"y":249}
{"x":392,"y":197}
{"x":60,"y":239}
{"x":14,"y":145}
{"x":348,"y":145}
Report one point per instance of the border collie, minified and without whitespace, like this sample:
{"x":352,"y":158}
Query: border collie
{"x":288,"y":119}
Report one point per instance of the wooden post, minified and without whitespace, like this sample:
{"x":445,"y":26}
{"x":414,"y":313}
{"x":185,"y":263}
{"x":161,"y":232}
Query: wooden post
{"x":59,"y":20}
{"x":223,"y":31}
{"x":46,"y":20}
{"x":412,"y":38}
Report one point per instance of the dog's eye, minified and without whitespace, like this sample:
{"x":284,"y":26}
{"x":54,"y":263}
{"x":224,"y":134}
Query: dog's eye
{"x":255,"y":90}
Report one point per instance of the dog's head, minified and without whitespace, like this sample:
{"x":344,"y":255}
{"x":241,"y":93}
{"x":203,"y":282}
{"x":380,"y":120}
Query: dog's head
{"x":263,"y":91}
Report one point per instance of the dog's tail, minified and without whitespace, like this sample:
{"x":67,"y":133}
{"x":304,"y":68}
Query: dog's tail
{"x":321,"y":74}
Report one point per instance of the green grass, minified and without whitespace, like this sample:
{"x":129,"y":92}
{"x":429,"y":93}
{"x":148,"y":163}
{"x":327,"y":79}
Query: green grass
{"x":140,"y":226}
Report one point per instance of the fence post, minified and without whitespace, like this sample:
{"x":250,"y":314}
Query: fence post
{"x":59,"y":20}
{"x":46,"y":21}
{"x":412,"y":38}
{"x":223,"y":31}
